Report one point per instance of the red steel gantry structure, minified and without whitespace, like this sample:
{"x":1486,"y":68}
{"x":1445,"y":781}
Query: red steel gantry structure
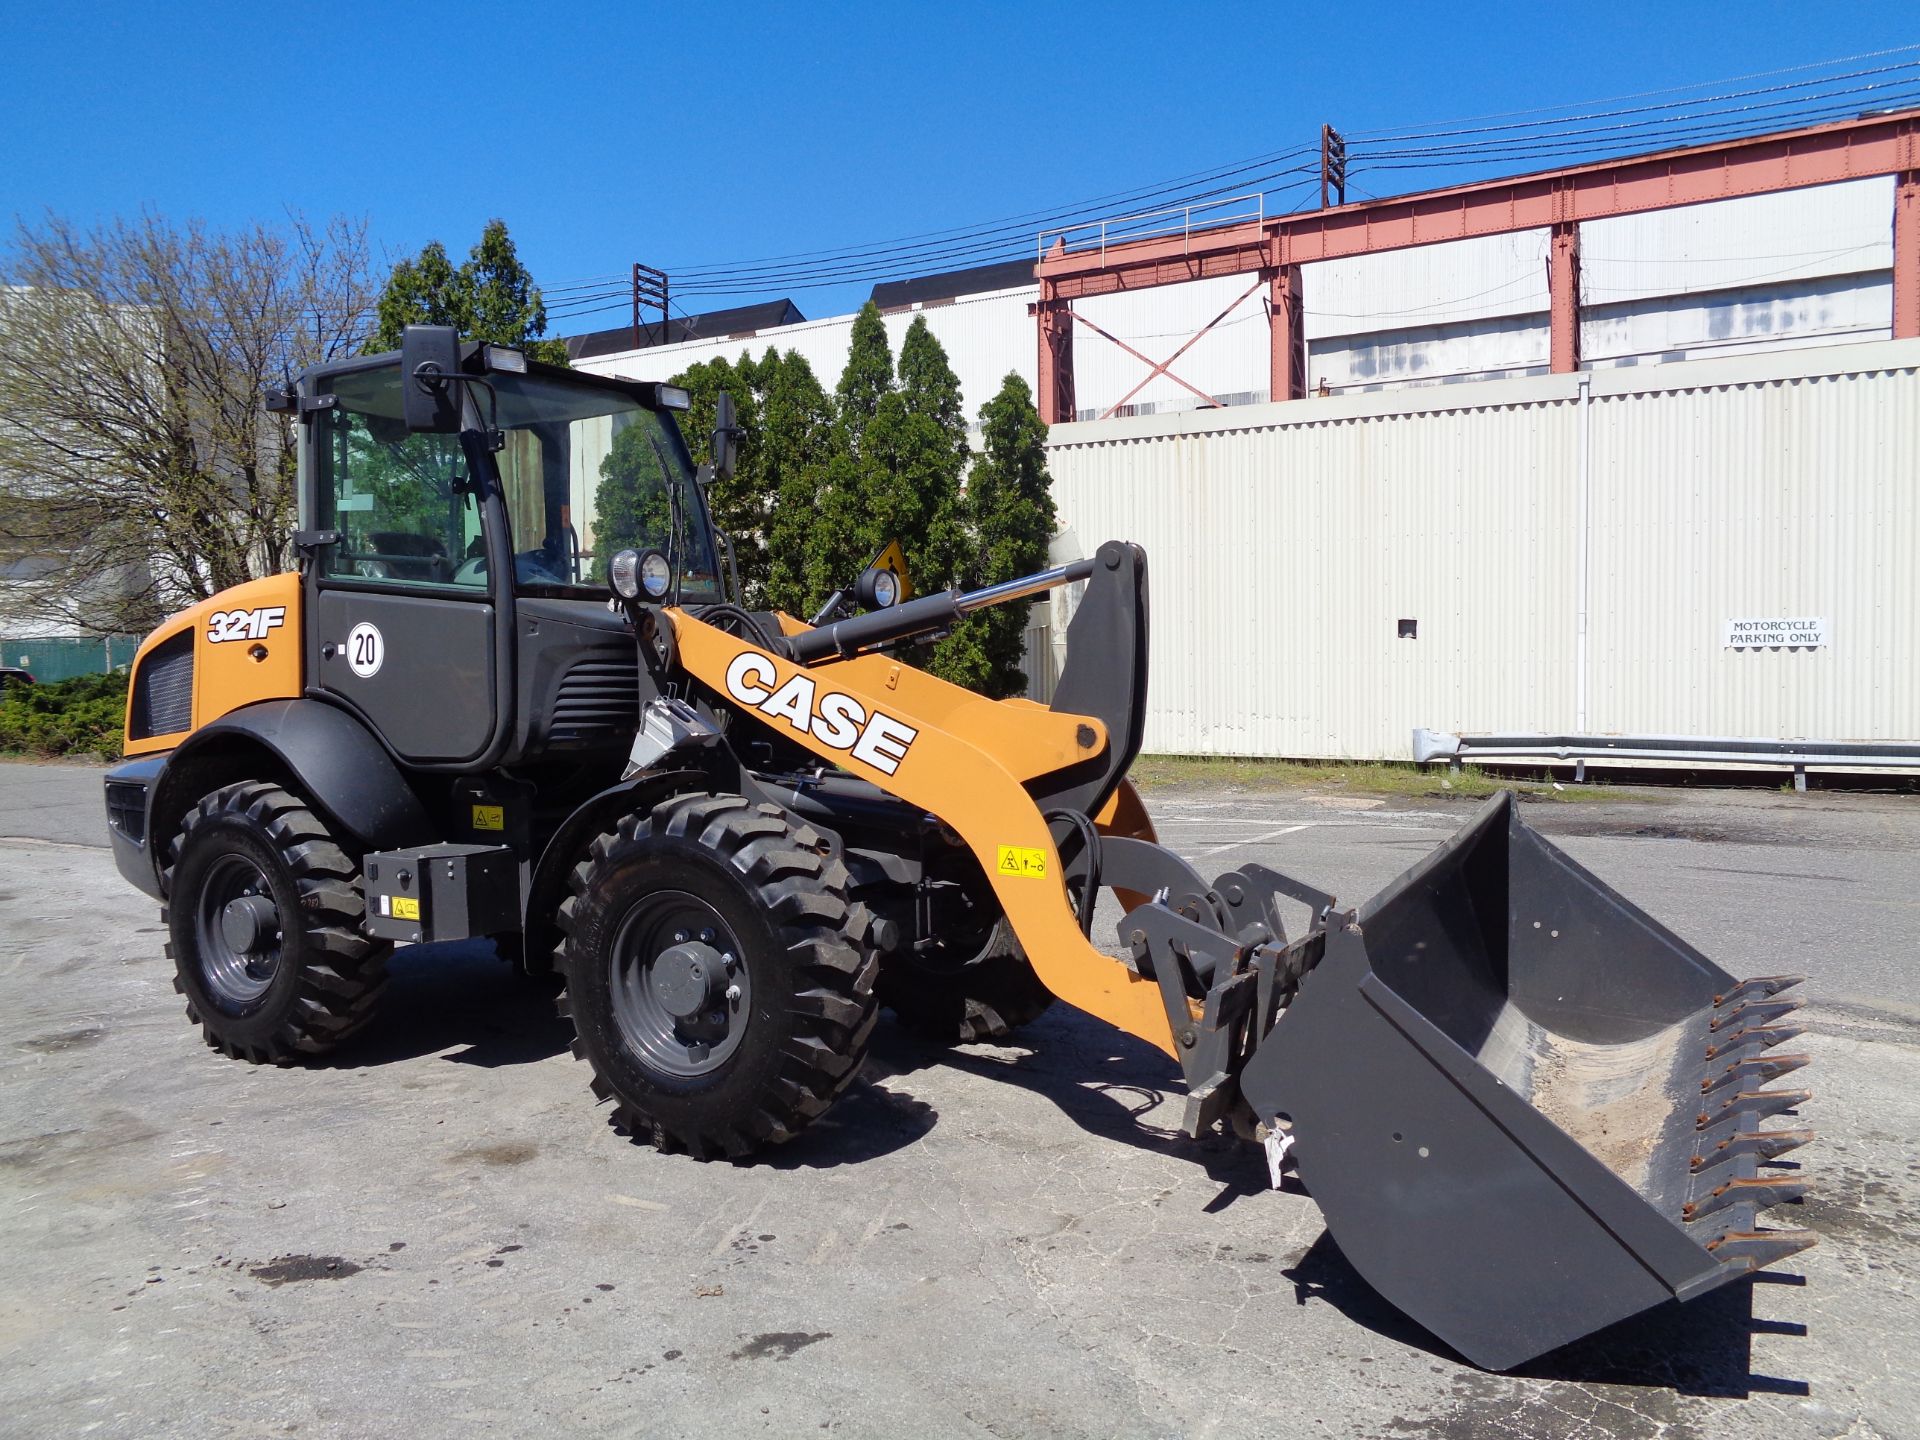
{"x":1554,"y":200}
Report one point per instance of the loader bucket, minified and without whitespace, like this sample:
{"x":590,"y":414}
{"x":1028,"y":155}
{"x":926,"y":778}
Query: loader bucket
{"x":1526,"y":1108}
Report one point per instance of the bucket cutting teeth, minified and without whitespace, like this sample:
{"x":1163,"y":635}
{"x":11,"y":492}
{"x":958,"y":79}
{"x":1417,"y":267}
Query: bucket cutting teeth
{"x":1756,"y":1249}
{"x":1757,"y":1070}
{"x":1759,"y":1191}
{"x":1753,"y":1014}
{"x":1757,"y":1103}
{"x":1761,"y":987}
{"x":1763,"y":1036}
{"x":1761,"y":1144}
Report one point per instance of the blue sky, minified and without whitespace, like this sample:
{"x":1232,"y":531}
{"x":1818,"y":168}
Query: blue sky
{"x":694,"y":134}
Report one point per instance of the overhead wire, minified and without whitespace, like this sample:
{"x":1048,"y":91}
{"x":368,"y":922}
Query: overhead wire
{"x":1700,"y":113}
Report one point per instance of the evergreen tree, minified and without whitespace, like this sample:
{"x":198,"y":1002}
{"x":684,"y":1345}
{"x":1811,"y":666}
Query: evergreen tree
{"x":800,"y":441}
{"x":867,"y":380}
{"x":491,"y":297}
{"x":933,"y":454}
{"x":1009,"y":506}
{"x":741,"y":505}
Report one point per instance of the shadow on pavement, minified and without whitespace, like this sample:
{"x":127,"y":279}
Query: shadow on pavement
{"x":458,"y":994}
{"x":1106,"y":1082}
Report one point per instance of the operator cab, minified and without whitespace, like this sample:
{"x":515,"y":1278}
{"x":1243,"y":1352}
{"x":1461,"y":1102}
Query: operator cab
{"x":455,"y":542}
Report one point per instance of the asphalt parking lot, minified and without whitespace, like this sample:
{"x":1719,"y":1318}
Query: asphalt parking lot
{"x":437,"y":1234}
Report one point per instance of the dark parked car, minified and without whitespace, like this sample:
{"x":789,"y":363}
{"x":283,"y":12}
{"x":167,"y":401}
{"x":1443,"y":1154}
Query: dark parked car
{"x":10,"y":676}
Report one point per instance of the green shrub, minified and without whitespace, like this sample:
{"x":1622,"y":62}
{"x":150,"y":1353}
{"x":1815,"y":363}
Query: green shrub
{"x":82,"y":716}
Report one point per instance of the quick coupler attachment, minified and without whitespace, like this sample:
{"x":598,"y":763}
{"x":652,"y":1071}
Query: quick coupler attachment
{"x":1221,"y":958}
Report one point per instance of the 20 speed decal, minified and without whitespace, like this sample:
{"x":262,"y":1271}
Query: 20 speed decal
{"x":366,"y":650}
{"x":834,"y":719}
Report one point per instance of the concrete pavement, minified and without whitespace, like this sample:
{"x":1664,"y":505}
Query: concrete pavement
{"x":436,"y":1233}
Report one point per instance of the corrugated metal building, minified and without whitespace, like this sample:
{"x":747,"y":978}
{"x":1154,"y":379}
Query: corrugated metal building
{"x":1304,"y":539}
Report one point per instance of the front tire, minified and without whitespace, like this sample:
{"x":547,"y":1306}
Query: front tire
{"x":263,"y":916}
{"x":718,"y":979}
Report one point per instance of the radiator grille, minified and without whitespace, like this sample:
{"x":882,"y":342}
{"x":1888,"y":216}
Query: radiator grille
{"x":598,"y":698}
{"x":163,"y":690}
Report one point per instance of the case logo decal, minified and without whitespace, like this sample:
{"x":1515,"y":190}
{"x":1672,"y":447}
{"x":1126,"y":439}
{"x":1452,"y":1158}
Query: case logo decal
{"x":834,"y":719}
{"x":225,"y":625}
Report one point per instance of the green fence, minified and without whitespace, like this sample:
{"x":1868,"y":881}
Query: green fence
{"x":64,"y":658}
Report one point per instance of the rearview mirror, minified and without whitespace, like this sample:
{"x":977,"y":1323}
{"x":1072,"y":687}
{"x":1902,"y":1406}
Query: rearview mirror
{"x":429,"y":359}
{"x":726,"y":437}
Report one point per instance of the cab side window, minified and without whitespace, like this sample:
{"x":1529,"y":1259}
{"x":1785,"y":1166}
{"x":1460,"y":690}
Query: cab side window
{"x":400,"y":500}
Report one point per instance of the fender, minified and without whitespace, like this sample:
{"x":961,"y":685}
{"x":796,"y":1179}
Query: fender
{"x":333,"y":760}
{"x":593,"y":817}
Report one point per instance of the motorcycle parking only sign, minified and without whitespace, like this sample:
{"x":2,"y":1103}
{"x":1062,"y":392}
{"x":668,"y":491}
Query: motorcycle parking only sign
{"x":1773,"y":634}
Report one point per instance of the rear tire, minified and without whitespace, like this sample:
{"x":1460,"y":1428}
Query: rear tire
{"x":984,"y":1001}
{"x":263,"y":915}
{"x":719,"y":982}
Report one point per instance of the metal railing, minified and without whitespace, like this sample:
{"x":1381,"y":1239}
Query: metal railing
{"x":1123,"y":228}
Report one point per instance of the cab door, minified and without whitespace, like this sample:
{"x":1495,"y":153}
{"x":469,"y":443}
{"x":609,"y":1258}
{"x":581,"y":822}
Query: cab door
{"x":403,"y":616}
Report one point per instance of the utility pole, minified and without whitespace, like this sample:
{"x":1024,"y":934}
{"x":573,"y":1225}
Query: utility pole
{"x":1333,"y":165}
{"x":650,"y":285}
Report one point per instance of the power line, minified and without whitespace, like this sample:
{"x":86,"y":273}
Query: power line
{"x":1509,"y":137}
{"x":1641,"y":95}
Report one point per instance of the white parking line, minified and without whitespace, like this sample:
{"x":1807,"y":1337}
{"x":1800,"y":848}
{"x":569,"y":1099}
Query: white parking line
{"x":1254,"y":839}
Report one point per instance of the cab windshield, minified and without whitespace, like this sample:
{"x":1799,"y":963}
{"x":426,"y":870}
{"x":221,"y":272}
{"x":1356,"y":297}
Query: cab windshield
{"x":586,"y":471}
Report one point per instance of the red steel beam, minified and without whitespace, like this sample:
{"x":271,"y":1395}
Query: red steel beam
{"x":1563,"y":298}
{"x":1286,"y":335}
{"x":1787,"y":160}
{"x":1906,"y":257}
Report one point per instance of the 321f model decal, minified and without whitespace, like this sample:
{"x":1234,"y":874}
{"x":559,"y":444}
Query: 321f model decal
{"x":224,"y":625}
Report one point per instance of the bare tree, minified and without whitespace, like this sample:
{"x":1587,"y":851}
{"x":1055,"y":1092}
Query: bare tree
{"x":139,"y":468}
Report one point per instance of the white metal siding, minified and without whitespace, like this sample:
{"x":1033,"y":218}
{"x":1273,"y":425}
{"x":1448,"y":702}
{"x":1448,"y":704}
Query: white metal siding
{"x":1454,"y":281}
{"x":1822,"y":230}
{"x":1229,"y":362}
{"x":1793,"y":496}
{"x":1286,"y":542}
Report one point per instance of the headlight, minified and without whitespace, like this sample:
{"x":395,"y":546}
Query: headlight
{"x":623,"y":574}
{"x":655,"y":574}
{"x":878,"y":588}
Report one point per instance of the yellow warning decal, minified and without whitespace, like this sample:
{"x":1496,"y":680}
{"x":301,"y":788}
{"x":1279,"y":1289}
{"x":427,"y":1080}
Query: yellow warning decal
{"x":406,"y":907}
{"x":1023,"y":860}
{"x":489,"y":817}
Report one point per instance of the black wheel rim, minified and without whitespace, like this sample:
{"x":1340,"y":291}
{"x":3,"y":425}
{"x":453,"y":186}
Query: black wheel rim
{"x":237,"y":933}
{"x":681,"y":992}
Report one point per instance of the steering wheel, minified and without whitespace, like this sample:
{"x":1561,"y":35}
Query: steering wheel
{"x":529,"y":567}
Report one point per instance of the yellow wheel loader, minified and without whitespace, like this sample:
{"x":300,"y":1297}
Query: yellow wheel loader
{"x":1526,"y":1108}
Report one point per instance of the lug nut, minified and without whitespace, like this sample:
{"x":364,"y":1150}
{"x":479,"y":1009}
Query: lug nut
{"x":733,"y":992}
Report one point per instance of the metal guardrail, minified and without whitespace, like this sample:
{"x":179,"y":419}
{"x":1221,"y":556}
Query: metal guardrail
{"x":1795,"y":755}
